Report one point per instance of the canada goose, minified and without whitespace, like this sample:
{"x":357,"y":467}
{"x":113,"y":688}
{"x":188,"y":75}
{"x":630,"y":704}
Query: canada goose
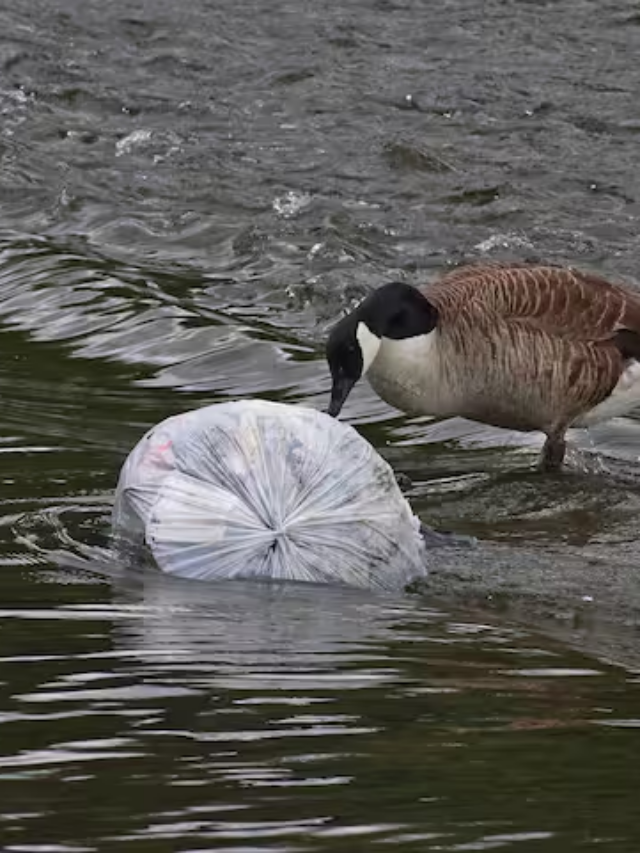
{"x":525,"y":347}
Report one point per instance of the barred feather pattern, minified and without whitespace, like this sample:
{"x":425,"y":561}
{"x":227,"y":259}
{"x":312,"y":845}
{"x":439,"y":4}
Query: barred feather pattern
{"x":519,"y":346}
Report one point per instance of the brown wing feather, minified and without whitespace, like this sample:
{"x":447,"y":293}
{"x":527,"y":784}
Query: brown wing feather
{"x":542,"y":335}
{"x":557,"y":300}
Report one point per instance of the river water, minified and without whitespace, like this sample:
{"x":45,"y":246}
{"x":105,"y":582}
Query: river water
{"x":190,"y":195}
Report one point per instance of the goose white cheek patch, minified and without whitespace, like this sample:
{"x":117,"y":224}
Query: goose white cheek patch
{"x":369,"y":346}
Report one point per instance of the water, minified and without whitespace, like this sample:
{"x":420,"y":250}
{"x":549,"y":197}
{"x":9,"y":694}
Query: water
{"x":160,"y":717}
{"x":189,"y":197}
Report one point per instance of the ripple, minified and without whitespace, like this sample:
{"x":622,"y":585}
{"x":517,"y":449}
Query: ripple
{"x":190,"y":198}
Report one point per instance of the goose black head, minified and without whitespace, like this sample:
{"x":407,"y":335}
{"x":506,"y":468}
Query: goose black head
{"x":395,"y":311}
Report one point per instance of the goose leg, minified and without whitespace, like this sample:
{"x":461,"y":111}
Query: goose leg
{"x":552,"y":453}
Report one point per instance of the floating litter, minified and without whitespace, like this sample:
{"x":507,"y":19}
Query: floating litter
{"x":260,"y":490}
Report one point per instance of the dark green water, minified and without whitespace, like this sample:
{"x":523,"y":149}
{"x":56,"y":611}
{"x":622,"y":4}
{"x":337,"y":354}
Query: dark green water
{"x":189,"y":197}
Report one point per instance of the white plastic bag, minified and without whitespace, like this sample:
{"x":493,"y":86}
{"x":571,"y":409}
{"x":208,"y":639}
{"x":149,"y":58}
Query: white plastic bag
{"x":254,"y":489}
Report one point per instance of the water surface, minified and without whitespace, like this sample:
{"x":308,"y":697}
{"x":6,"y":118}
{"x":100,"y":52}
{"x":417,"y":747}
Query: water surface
{"x":189,"y":198}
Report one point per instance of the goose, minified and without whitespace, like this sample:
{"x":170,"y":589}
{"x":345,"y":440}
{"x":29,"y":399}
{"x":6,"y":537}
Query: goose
{"x":520,"y":346}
